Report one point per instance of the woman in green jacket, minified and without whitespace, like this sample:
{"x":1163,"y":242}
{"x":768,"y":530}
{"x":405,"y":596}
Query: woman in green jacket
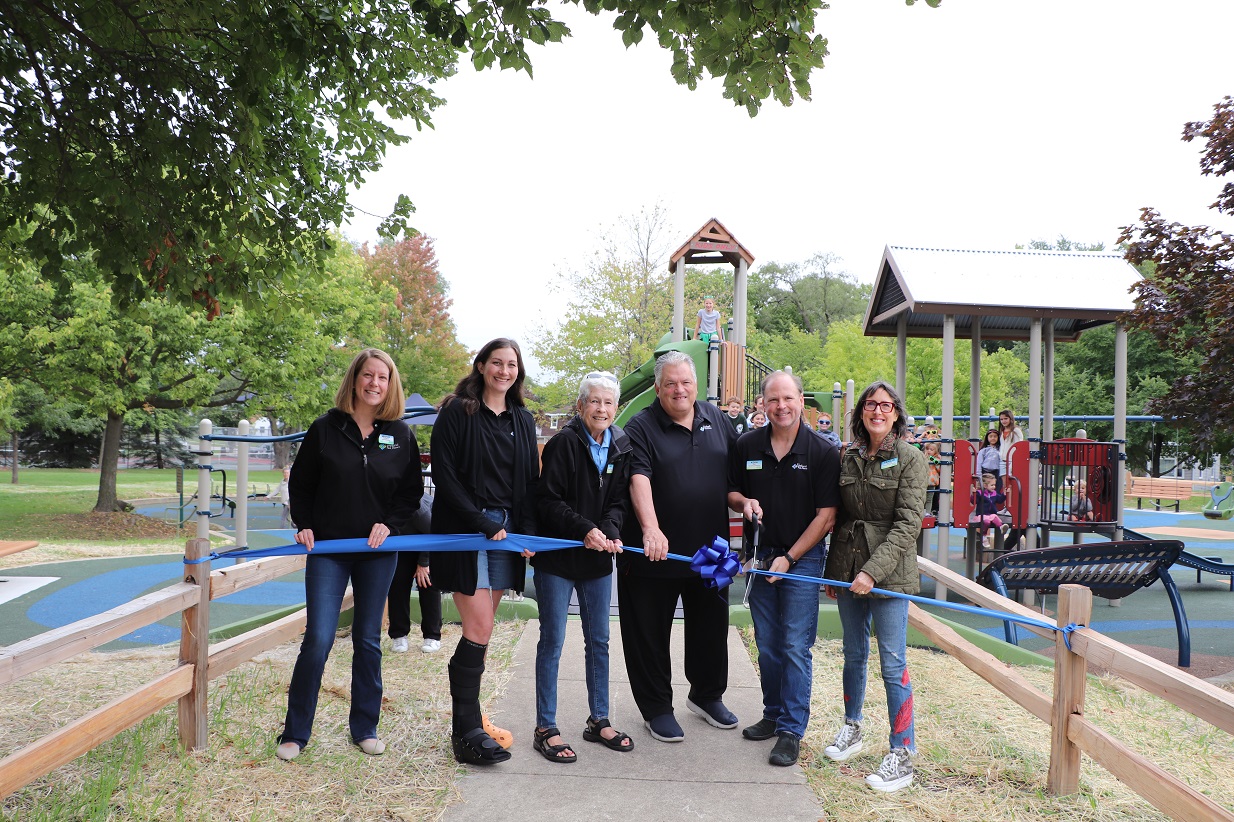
{"x":882,"y":494}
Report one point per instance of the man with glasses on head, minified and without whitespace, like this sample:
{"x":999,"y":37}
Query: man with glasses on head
{"x":678,"y":488}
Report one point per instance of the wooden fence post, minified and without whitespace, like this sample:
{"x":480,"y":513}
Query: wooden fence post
{"x":195,"y":647}
{"x":1075,"y":605}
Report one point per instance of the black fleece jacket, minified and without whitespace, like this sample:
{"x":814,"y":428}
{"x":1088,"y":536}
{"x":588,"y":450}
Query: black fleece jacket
{"x":341,"y":485}
{"x":573,"y":497}
{"x":456,"y":447}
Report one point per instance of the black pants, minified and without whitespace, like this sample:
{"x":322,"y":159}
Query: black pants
{"x":647,"y":605}
{"x":400,"y":601}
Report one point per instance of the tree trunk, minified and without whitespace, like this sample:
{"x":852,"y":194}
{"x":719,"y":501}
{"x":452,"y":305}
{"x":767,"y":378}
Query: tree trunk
{"x":158,"y":450}
{"x":16,"y":448}
{"x":109,"y":458}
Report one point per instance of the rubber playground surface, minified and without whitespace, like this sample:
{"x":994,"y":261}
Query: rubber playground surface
{"x":37,"y":598}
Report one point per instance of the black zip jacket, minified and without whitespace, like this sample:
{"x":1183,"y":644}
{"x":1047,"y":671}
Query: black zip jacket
{"x":342,"y":485}
{"x":573,"y":497}
{"x":456,"y":447}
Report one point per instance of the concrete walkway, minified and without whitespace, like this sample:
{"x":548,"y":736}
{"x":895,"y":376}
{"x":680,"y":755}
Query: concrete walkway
{"x":712,"y":775}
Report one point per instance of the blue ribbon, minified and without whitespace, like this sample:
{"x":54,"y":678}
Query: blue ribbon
{"x":716,"y":563}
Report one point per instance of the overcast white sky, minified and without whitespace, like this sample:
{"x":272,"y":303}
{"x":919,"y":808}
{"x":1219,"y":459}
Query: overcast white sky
{"x":980,"y":124}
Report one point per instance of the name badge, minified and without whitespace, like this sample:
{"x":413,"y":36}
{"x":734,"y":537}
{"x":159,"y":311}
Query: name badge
{"x":609,"y":470}
{"x":385,"y":439}
{"x":885,"y":464}
{"x":754,"y":465}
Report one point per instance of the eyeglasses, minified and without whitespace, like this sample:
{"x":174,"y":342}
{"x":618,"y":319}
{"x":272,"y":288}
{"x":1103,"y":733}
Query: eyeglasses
{"x":874,"y":405}
{"x":602,"y":375}
{"x":824,"y":422}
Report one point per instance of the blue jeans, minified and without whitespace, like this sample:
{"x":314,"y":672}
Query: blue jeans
{"x":554,"y":601}
{"x":325,"y":580}
{"x":495,"y":569}
{"x":890,"y":620}
{"x":785,"y":615}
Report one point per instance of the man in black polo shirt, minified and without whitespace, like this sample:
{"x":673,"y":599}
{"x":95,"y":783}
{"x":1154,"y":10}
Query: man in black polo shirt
{"x":678,"y":489}
{"x":790,"y":478}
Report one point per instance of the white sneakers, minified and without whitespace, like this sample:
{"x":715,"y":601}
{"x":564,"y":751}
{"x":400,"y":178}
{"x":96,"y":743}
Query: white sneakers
{"x":895,"y":771}
{"x":399,"y":645}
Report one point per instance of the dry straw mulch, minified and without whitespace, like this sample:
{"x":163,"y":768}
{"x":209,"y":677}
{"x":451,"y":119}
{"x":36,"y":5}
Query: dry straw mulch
{"x":143,"y":774}
{"x":982,"y":757}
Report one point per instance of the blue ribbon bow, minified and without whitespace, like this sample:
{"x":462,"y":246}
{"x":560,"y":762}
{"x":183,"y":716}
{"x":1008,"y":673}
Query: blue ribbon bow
{"x":716,"y":563}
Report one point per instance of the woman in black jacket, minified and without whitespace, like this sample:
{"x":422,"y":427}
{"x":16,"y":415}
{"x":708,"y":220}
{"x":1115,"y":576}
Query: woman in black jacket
{"x":485,"y":469}
{"x":583,"y":495}
{"x":357,"y":475}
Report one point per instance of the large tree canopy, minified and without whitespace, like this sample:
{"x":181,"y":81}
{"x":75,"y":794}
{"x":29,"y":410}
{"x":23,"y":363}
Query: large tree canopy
{"x":1186,"y":301}
{"x":203,"y":148}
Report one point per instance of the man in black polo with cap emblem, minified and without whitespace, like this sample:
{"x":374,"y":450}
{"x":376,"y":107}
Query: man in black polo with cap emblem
{"x":790,"y":478}
{"x":678,"y":491}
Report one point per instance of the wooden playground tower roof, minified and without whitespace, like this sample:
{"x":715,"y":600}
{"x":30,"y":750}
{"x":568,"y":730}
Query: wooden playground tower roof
{"x":711,"y":245}
{"x":1007,"y":290}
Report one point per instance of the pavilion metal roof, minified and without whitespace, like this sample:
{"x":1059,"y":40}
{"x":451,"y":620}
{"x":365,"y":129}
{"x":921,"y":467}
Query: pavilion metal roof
{"x":1006,"y":289}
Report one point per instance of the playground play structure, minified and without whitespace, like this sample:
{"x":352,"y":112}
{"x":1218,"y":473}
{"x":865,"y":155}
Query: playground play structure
{"x":895,"y":305}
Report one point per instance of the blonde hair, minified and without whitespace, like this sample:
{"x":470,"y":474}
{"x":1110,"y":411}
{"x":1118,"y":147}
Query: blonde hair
{"x":392,"y":406}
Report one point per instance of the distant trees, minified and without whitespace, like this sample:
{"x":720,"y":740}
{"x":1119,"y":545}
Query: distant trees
{"x":415,"y":329}
{"x":1186,"y":299}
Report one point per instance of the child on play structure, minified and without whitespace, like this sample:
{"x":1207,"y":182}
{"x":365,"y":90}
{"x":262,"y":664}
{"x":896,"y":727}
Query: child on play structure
{"x":707,"y":326}
{"x":1081,"y":508}
{"x":987,"y":500}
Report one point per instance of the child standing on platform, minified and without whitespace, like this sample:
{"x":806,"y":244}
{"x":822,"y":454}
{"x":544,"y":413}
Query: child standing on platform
{"x":707,"y":326}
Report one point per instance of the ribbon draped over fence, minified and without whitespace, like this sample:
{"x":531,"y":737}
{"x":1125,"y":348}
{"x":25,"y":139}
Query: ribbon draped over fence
{"x":716,"y":563}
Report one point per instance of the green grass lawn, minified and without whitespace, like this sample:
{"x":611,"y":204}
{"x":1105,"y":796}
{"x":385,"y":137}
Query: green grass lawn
{"x":50,"y":503}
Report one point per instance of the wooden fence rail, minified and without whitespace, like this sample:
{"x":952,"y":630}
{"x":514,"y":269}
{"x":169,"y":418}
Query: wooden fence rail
{"x":1071,"y":732}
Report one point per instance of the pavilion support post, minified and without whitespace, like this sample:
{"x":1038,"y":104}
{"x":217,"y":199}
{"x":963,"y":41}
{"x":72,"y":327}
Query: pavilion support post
{"x":679,"y":301}
{"x":1048,"y":381}
{"x":974,"y":386}
{"x":948,"y":432}
{"x":1120,"y":423}
{"x":1075,"y":605}
{"x":740,"y":299}
{"x":902,"y":354}
{"x":1034,"y":429}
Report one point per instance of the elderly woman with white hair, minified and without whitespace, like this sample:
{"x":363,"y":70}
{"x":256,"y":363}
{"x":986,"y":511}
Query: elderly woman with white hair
{"x":583,"y":496}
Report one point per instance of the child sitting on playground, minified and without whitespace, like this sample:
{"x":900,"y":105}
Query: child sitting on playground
{"x":1081,"y":509}
{"x":987,"y":500}
{"x":707,"y":326}
{"x":930,"y":448}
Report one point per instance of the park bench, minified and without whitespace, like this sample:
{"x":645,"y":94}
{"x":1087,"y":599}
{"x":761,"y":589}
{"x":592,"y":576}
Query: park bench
{"x":1157,"y":489}
{"x":1109,"y":569}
